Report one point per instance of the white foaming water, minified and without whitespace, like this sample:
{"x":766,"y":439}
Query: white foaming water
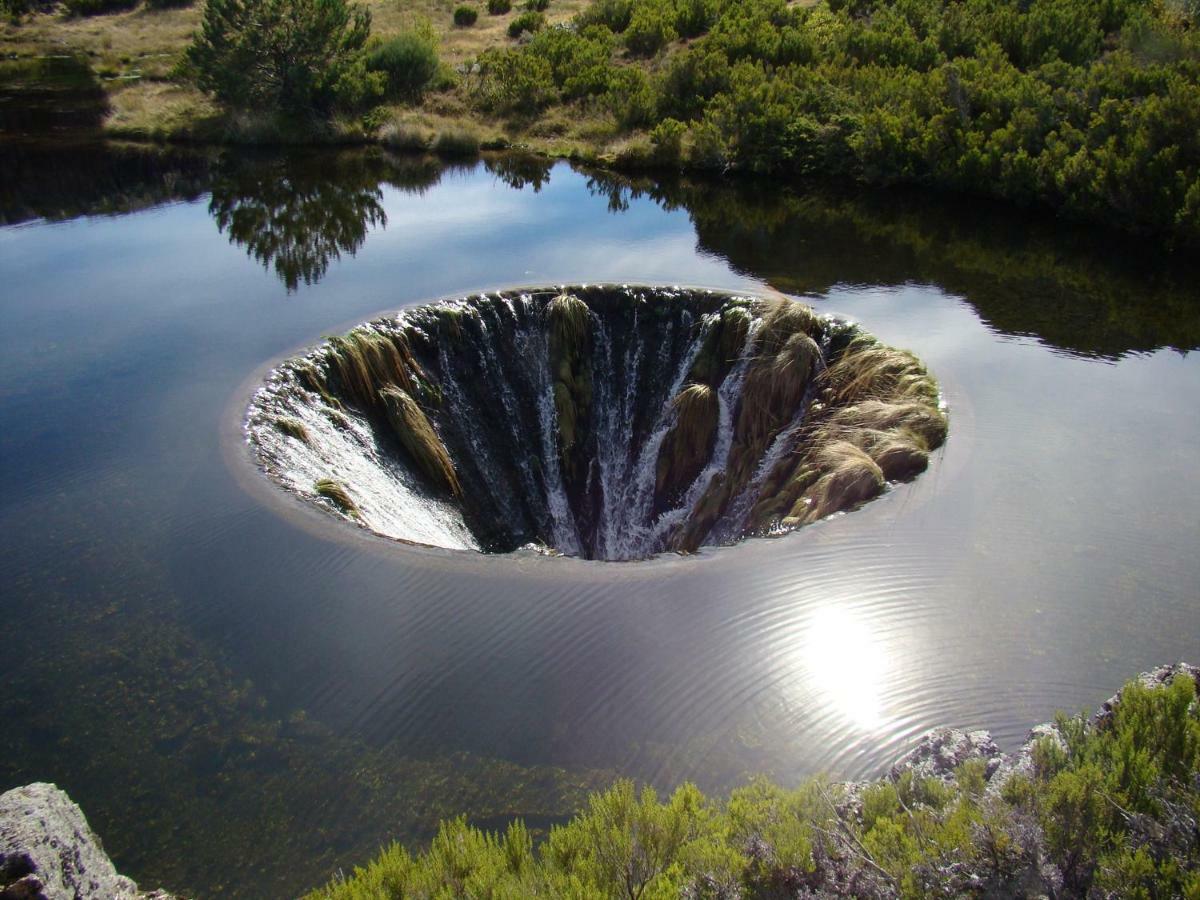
{"x":488,"y":387}
{"x":389,"y":498}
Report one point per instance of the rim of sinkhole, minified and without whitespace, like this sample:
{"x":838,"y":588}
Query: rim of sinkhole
{"x":609,"y":422}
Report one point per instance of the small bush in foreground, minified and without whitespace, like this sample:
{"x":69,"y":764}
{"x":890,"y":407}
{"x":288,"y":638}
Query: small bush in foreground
{"x":465,"y":16}
{"x":1106,"y":810}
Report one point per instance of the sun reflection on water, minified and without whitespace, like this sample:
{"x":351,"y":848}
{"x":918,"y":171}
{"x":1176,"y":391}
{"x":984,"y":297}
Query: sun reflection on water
{"x":847,"y":664}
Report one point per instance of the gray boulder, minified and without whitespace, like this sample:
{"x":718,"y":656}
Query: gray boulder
{"x":48,"y":852}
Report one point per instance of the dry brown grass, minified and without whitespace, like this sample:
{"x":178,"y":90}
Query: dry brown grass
{"x":417,"y":435}
{"x":849,"y":477}
{"x":459,"y":44}
{"x":337,"y":494}
{"x":140,"y":43}
{"x":135,"y":52}
{"x":688,"y":445}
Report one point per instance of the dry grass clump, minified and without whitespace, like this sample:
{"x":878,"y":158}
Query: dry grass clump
{"x":781,"y":319}
{"x":848,"y":477}
{"x":418,"y":437}
{"x":569,"y":319}
{"x":688,"y":445}
{"x":878,"y":422}
{"x":722,"y":346}
{"x":366,"y":360}
{"x":310,"y":378}
{"x":292,"y":428}
{"x":335,"y":493}
{"x":869,"y":369}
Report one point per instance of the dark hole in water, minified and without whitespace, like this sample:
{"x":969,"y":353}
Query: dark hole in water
{"x":603,"y":422}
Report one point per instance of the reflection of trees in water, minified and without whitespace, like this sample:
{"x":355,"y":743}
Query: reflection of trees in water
{"x":62,"y":180}
{"x":520,"y":171}
{"x":295,"y":215}
{"x":298,"y":214}
{"x":1080,"y":290}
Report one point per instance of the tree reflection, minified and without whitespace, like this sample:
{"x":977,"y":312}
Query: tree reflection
{"x":298,"y":215}
{"x":520,"y":170}
{"x":1082,"y":290}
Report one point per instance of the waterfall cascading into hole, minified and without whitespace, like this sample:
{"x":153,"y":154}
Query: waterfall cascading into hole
{"x":607,"y":422}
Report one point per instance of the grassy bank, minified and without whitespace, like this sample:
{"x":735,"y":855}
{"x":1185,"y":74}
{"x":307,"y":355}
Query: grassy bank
{"x":1091,"y":110}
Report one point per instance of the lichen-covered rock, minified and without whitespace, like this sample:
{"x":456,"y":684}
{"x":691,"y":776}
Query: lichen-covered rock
{"x":940,"y":752}
{"x":48,"y":852}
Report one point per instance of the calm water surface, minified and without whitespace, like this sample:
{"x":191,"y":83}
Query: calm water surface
{"x":245,"y":698}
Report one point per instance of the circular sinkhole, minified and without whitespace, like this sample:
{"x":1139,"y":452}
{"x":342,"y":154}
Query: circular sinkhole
{"x":605,"y":422}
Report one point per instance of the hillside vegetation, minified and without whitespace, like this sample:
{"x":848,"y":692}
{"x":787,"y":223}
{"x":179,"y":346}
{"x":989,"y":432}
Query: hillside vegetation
{"x":1106,"y":809}
{"x":1092,"y":108}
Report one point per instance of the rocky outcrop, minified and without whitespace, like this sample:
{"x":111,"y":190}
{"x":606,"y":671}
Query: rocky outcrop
{"x":48,"y":852}
{"x":940,"y":752}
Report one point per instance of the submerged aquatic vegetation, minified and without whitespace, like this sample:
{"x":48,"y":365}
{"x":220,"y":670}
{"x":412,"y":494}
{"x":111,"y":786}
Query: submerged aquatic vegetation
{"x":606,"y":421}
{"x":1099,"y":807}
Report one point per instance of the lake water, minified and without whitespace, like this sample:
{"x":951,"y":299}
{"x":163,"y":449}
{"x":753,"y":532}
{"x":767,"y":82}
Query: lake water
{"x":245,"y":696}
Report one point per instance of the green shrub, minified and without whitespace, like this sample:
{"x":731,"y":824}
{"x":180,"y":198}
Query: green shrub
{"x":306,"y":55}
{"x":667,"y":138}
{"x":514,"y":82}
{"x":499,"y":7}
{"x":614,"y":15}
{"x":14,"y":9}
{"x":408,"y":61}
{"x":97,"y":7}
{"x":651,"y":28}
{"x":537,"y":5}
{"x":465,"y":16}
{"x":526,"y":21}
{"x":694,"y":17}
{"x":579,"y":60}
{"x":631,"y":98}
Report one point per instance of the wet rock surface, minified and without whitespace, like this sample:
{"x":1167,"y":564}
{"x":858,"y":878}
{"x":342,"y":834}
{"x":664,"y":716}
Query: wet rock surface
{"x":48,"y":851}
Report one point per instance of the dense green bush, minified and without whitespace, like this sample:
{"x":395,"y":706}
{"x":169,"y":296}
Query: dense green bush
{"x":465,"y":16}
{"x":631,"y":98}
{"x":527,"y":21}
{"x":294,"y":56}
{"x":1090,"y":108}
{"x":1105,"y":810}
{"x":614,"y":15}
{"x":537,"y":5}
{"x":499,"y":7}
{"x":651,"y":27}
{"x":14,"y":9}
{"x":514,"y":82}
{"x":97,"y":7}
{"x":579,"y":59}
{"x":408,"y":61}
